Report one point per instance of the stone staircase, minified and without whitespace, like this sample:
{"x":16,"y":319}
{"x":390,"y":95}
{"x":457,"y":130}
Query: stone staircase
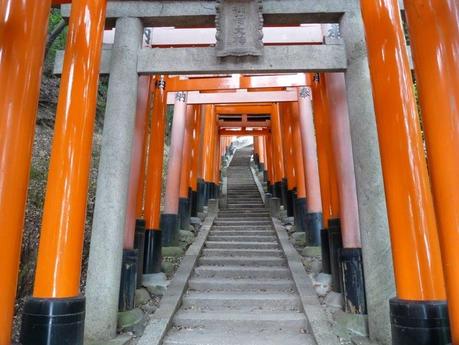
{"x":241,"y":291}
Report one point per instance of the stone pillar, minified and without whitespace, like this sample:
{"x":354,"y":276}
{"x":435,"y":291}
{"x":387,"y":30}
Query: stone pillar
{"x":104,"y":270}
{"x":376,"y":249}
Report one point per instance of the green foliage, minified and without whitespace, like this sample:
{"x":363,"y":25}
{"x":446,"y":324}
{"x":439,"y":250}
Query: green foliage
{"x":59,"y":44}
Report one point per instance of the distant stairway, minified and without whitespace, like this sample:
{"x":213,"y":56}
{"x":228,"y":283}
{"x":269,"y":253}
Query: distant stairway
{"x":241,"y":292}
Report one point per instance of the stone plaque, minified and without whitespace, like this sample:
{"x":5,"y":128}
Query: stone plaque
{"x":239,"y":28}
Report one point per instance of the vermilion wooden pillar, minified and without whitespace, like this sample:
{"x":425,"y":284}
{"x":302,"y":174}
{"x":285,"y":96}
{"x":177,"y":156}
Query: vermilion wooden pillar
{"x":280,"y":185}
{"x":288,"y":159}
{"x":300,"y":199}
{"x":195,"y":161}
{"x":21,"y":58}
{"x":153,"y":242}
{"x":56,"y":295}
{"x":169,"y":217}
{"x":314,"y":217}
{"x":184,"y":195}
{"x":434,"y":34}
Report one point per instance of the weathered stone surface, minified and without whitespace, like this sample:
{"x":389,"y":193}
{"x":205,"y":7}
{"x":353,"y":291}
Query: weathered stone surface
{"x":119,"y":340}
{"x":131,"y":321}
{"x":356,"y":323}
{"x":299,"y":239}
{"x":172,"y":251}
{"x":334,"y":300}
{"x":239,"y":26}
{"x":156,"y":284}
{"x":376,"y":248}
{"x":186,"y":237}
{"x":141,"y":297}
{"x":311,"y":251}
{"x":105,"y":255}
{"x":321,"y":283}
{"x":167,"y":267}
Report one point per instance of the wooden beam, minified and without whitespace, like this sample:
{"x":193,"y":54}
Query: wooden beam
{"x":243,"y":109}
{"x":244,"y":132}
{"x":238,"y":81}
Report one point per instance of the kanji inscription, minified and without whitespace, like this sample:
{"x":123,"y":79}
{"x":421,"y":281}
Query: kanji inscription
{"x":239,"y":28}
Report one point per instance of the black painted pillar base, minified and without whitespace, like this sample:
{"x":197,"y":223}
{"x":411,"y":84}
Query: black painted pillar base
{"x":128,"y":281}
{"x":265,"y":175}
{"x":201,"y":195}
{"x":184,"y":213}
{"x":290,"y":203}
{"x":353,"y":280}
{"x":295,"y":211}
{"x":217,"y":191}
{"x":277,"y":190}
{"x":325,"y":249}
{"x":269,"y":187}
{"x":152,"y":255}
{"x":194,"y":204}
{"x":168,"y":225}
{"x":208,"y":193}
{"x":301,"y":212}
{"x":419,"y":322}
{"x":54,"y":321}
{"x":313,"y":226}
{"x":256,"y":159}
{"x":261,"y":167}
{"x":335,"y":244}
{"x":139,"y":245}
{"x":284,"y":193}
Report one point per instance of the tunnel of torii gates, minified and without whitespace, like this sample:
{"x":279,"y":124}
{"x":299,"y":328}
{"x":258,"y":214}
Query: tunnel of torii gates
{"x":340,"y":148}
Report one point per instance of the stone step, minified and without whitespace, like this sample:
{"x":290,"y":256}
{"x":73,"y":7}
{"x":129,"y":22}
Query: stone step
{"x":238,"y":214}
{"x":244,"y":217}
{"x":242,"y":232}
{"x":242,"y":225}
{"x":242,"y":206}
{"x":224,"y":284}
{"x":257,"y":222}
{"x":242,"y":245}
{"x":238,"y":336}
{"x":235,"y":319}
{"x":241,"y":272}
{"x":242,"y":261}
{"x":242,"y":301}
{"x":241,"y":252}
{"x":242,"y":238}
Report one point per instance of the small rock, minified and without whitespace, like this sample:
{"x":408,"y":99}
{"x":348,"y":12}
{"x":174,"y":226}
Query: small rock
{"x":321,"y":283}
{"x":299,"y":239}
{"x":131,"y":321}
{"x":157,"y":290}
{"x":186,"y":237}
{"x":141,"y":297}
{"x":172,"y":251}
{"x":202,"y":215}
{"x":195,"y":221}
{"x":311,"y":251}
{"x":356,"y":323}
{"x":334,"y":299}
{"x":289,"y":220}
{"x":149,"y":308}
{"x":316,"y":266}
{"x":167,"y":267}
{"x":156,"y":283}
{"x":324,"y":278}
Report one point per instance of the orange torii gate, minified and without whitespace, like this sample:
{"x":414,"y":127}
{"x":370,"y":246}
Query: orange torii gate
{"x":419,"y":205}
